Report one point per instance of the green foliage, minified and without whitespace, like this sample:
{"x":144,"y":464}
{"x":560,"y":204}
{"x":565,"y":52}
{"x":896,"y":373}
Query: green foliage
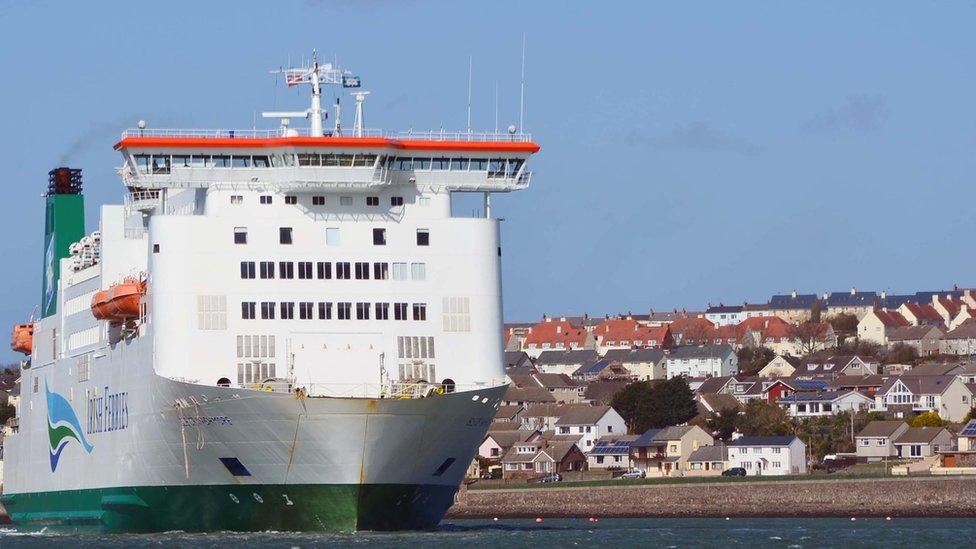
{"x":901,"y":354}
{"x":649,"y":405}
{"x":928,"y":419}
{"x":763,"y":419}
{"x":753,"y":359}
{"x":876,"y":416}
{"x":844,"y":323}
{"x":970,"y":416}
{"x":724,"y":423}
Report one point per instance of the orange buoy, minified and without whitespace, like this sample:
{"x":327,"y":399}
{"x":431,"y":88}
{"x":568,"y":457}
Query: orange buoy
{"x":22,"y":339}
{"x":119,"y":303}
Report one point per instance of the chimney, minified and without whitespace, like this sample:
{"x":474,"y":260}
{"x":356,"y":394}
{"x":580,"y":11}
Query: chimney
{"x":793,"y":294}
{"x":559,"y":328}
{"x":884,"y":294}
{"x":545,"y":317}
{"x":853,"y":290}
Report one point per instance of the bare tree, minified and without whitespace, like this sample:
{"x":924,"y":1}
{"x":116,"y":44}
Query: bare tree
{"x":809,"y":336}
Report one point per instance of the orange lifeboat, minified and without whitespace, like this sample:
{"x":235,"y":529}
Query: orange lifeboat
{"x":119,"y":303}
{"x":22,"y":340}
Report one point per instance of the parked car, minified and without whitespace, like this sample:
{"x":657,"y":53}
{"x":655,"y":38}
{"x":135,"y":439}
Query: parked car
{"x":552,"y":477}
{"x":734,"y":472}
{"x":633,"y":474}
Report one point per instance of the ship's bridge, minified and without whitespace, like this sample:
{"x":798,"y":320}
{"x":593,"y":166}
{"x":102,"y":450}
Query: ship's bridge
{"x":289,"y":160}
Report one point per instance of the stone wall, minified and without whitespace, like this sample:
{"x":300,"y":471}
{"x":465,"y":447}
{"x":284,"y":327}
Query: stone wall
{"x":954,"y":496}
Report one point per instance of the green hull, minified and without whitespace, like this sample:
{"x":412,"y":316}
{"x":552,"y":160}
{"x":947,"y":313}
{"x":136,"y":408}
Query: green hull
{"x":242,"y":508}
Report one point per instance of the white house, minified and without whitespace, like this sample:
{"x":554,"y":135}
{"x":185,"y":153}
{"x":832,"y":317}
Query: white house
{"x":907,"y":395}
{"x":784,"y":455}
{"x":875,"y":441}
{"x":725,"y":315}
{"x":825,"y":403}
{"x":702,"y":361}
{"x":590,"y":423}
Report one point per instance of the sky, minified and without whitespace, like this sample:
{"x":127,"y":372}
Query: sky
{"x":691,"y":152}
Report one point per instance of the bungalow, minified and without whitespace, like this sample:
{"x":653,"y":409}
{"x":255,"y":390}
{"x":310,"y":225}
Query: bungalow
{"x":875,"y":441}
{"x":815,"y":404}
{"x":922,"y":442}
{"x":664,"y":452}
{"x":591,"y":422}
{"x":839,"y":365}
{"x":961,"y":340}
{"x":533,"y":459}
{"x":925,"y":339}
{"x":793,"y":308}
{"x":877,"y":325}
{"x":703,"y":360}
{"x":555,"y":334}
{"x":780,"y":366}
{"x":782,"y":455}
{"x":565,"y":362}
{"x":784,"y":338}
{"x":611,"y":452}
{"x":707,"y":461}
{"x":908,"y":395}
{"x":643,"y":364}
{"x":921,"y":314}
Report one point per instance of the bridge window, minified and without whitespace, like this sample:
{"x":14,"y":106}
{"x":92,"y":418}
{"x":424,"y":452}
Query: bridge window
{"x":142,"y":163}
{"x":160,"y":163}
{"x":479,"y":164}
{"x":421,"y":163}
{"x":309,"y":159}
{"x":240,"y":161}
{"x":200,"y":161}
{"x":261,"y":162}
{"x":364,"y":160}
{"x":221,"y":161}
{"x":440,"y":164}
{"x":459,"y":164}
{"x":496,"y":167}
{"x":181,"y":161}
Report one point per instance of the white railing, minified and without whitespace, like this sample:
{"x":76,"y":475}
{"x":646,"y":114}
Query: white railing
{"x":392,"y":390}
{"x":430,"y":135}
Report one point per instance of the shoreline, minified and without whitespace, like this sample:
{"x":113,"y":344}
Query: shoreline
{"x":950,"y":497}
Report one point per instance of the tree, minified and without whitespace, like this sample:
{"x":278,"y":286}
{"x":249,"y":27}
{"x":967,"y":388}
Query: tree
{"x":763,"y":419}
{"x":723,"y":423}
{"x":902,"y":354}
{"x":970,"y":416}
{"x":648,"y":405}
{"x":843,"y":323}
{"x":6,"y":412}
{"x":928,"y":419}
{"x":753,"y":359}
{"x":809,"y":336}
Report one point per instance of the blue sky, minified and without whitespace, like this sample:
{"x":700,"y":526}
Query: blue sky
{"x":691,"y":152}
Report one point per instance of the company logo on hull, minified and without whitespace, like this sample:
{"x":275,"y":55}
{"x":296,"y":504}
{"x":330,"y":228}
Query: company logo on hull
{"x":62,"y":426}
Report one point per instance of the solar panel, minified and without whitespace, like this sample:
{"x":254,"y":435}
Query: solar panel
{"x":969,"y":430}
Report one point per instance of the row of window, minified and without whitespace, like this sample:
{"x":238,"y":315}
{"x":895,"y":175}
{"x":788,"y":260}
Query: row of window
{"x":319,"y":200}
{"x":496,"y":167}
{"x":286,"y":236}
{"x":343,"y":310}
{"x":323,"y":270}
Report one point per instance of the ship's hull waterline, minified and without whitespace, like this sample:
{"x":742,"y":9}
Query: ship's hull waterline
{"x":231,"y":459}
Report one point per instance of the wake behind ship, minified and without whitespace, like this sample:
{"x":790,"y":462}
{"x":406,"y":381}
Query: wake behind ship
{"x":277,"y":330}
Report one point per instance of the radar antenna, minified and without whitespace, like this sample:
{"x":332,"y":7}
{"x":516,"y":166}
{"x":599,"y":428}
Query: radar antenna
{"x":316,"y":75}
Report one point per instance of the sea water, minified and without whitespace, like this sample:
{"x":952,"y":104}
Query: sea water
{"x":945,"y":533}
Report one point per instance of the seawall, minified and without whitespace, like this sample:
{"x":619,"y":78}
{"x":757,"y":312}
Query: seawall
{"x":921,"y":496}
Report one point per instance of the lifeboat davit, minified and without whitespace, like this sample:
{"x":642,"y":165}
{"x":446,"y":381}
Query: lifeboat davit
{"x":120,"y":303}
{"x":22,"y":340}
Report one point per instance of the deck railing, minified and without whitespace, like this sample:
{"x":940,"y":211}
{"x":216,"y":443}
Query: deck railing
{"x":428,"y":135}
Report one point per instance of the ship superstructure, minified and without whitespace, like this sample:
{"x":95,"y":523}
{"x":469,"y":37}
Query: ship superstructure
{"x":278,"y":329}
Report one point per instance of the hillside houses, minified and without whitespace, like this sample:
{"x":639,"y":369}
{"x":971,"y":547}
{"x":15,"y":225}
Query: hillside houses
{"x":702,"y":361}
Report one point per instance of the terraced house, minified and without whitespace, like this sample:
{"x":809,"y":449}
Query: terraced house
{"x":702,"y":361}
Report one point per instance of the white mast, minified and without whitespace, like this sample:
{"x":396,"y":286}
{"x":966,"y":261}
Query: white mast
{"x":522,"y":89}
{"x":316,"y":129}
{"x":360,"y":118}
{"x":316,"y":75}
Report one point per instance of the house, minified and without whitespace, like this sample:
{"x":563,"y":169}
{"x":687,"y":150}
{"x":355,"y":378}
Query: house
{"x":716,"y":384}
{"x":533,"y":459}
{"x":781,"y":455}
{"x":590,"y":372}
{"x":922,"y":442}
{"x":664,"y":452}
{"x":836,"y":365}
{"x":627,"y":333}
{"x":543,"y":417}
{"x":824,"y":403}
{"x":725,"y":315}
{"x":560,"y":386}
{"x":565,"y":362}
{"x":591,"y":423}
{"x":643,"y":364}
{"x":702,"y":360}
{"x":691,"y":330}
{"x":524,"y":396}
{"x":715,"y":403}
{"x":875,"y":441}
{"x":517,"y":359}
{"x":780,"y":366}
{"x":509,"y":413}
{"x":921,"y":314}
{"x":908,"y":395}
{"x":961,"y":340}
{"x":602,"y":391}
{"x":948,"y":307}
{"x":707,"y":461}
{"x":925,"y":339}
{"x":496,"y":443}
{"x":854,"y":303}
{"x":868,"y":385}
{"x":553,"y":334}
{"x":784,"y":338}
{"x":877,"y":325}
{"x":611,"y":452}
{"x":967,"y":437}
{"x":793,"y":308}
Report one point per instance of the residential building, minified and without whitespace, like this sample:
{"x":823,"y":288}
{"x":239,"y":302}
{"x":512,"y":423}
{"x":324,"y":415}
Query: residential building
{"x":921,"y":314}
{"x":702,"y":361}
{"x":565,"y":362}
{"x":707,"y":461}
{"x":561,"y":386}
{"x":643,"y":364}
{"x":539,"y":458}
{"x":517,"y":359}
{"x":509,"y":413}
{"x":496,"y":443}
{"x":543,"y":417}
{"x":665,"y":452}
{"x":782,"y":455}
{"x":854,"y":303}
{"x":824,"y":403}
{"x":602,"y":391}
{"x":925,"y":339}
{"x":908,"y":395}
{"x":961,"y":340}
{"x":591,"y":423}
{"x":715,"y":403}
{"x":552,"y":334}
{"x":966,"y":314}
{"x":836,"y":365}
{"x":611,"y":452}
{"x":524,"y":396}
{"x":875,"y":441}
{"x":784,"y":338}
{"x":922,"y":442}
{"x":725,"y":315}
{"x":877,"y":325}
{"x":780,"y":366}
{"x":948,"y":307}
{"x":793,"y":308}
{"x":691,"y":330}
{"x":627,"y":333}
{"x":868,"y":385}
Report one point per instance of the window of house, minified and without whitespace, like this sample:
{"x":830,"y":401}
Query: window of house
{"x":267,"y":310}
{"x":291,"y":199}
{"x":400,"y":311}
{"x":324,"y":269}
{"x":240,"y":235}
{"x":267,"y":269}
{"x":343,"y":270}
{"x":286,"y":270}
{"x":423,"y":237}
{"x":381,"y":271}
{"x":372,"y":201}
{"x":420,"y":311}
{"x":362,"y":270}
{"x":345,"y":201}
{"x":379,"y":237}
{"x":332,"y":236}
{"x":284,"y":235}
{"x":344,"y":310}
{"x":305,"y":310}
{"x":362,"y":311}
{"x":382,"y":311}
{"x":318,"y":201}
{"x":248,"y":310}
{"x":396,"y":201}
{"x":247,"y":269}
{"x":325,"y":310}
{"x":236,"y":199}
{"x":266,"y":199}
{"x":399,"y":271}
{"x":418,"y":271}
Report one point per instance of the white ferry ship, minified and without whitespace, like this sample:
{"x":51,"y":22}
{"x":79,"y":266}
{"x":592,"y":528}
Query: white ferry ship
{"x":277,"y":330}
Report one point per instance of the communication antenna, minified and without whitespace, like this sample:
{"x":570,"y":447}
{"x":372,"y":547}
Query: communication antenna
{"x":470,"y":70}
{"x":496,"y":106}
{"x":522,"y":90}
{"x":315,"y":75}
{"x":357,"y":127}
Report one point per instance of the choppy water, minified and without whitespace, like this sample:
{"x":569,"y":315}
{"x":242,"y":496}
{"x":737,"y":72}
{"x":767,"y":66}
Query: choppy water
{"x":735,"y":532}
